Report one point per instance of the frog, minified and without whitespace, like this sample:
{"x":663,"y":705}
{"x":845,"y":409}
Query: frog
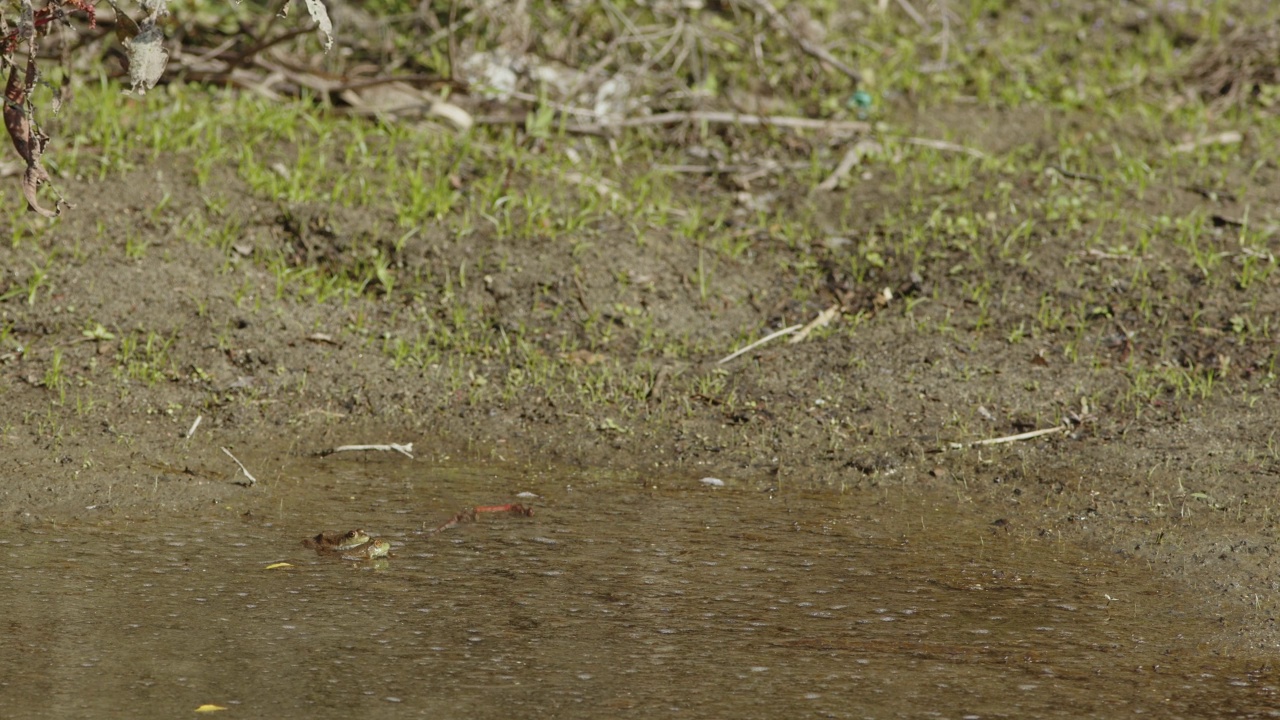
{"x":335,"y":542}
{"x":354,"y":545}
{"x":374,"y":549}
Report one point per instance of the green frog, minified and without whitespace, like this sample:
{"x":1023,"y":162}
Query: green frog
{"x":375,"y":549}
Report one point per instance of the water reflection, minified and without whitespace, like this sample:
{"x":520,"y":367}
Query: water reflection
{"x":608,"y":602}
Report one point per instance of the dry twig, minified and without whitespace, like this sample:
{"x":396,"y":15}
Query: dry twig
{"x":252,"y":480}
{"x":944,"y":146}
{"x":851,"y":159}
{"x":405,"y":449}
{"x":767,"y":338}
{"x":1010,"y":438}
{"x":713,"y":117}
{"x":823,"y":319}
{"x":734,"y":118}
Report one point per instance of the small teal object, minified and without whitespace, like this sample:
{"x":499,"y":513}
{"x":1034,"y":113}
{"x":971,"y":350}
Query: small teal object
{"x":862,"y":101}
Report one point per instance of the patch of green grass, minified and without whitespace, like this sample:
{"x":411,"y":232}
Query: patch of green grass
{"x":145,"y":357}
{"x":36,"y":280}
{"x":55,"y":375}
{"x":1076,"y":233}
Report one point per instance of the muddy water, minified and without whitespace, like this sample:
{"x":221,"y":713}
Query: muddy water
{"x":611,"y":601}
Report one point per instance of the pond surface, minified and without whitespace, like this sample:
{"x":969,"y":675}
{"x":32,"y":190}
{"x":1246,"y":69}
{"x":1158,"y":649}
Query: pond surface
{"x":613,"y":600}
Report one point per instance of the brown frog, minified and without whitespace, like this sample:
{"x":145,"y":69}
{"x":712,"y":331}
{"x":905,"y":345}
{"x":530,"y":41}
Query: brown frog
{"x":332,"y":542}
{"x":351,"y":545}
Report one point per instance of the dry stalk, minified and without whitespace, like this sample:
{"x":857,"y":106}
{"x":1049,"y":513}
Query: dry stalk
{"x":252,"y":480}
{"x":766,"y":339}
{"x":1010,"y":438}
{"x":823,"y":319}
{"x":405,"y":449}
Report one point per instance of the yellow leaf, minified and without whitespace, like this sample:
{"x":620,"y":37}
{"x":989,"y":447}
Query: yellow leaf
{"x":209,"y":708}
{"x":274,"y":566}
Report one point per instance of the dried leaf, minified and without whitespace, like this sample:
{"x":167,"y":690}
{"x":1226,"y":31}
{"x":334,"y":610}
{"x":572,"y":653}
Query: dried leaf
{"x":207,"y":707}
{"x":126,"y":28}
{"x":27,"y":139}
{"x":26,"y":21}
{"x":321,"y":16}
{"x":62,"y":94}
{"x":147,"y":57}
{"x":155,"y":8}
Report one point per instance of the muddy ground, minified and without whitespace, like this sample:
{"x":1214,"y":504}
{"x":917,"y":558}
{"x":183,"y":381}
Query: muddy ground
{"x":118,"y":329}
